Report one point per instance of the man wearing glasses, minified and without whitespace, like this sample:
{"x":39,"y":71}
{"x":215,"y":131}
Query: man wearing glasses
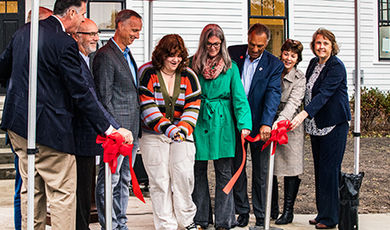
{"x":260,"y":74}
{"x":86,"y":37}
{"x":60,"y":88}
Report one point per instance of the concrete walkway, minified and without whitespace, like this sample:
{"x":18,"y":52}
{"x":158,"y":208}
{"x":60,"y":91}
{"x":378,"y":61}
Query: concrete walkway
{"x":140,"y":215}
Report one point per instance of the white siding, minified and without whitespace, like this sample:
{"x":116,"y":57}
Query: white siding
{"x":188,"y":17}
{"x":338,"y":16}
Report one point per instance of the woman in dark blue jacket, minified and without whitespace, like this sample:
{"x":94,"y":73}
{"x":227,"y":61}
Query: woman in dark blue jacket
{"x":326,"y":115}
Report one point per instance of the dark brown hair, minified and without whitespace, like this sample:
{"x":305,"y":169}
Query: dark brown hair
{"x":327,"y":34}
{"x":170,"y":45}
{"x":293,"y":46}
{"x":259,"y":29}
{"x":60,"y":6}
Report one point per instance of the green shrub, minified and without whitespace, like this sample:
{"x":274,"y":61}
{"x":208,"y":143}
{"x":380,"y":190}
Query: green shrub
{"x":374,"y":110}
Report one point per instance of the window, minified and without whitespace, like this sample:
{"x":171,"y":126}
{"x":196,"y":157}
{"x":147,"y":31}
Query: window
{"x":9,"y":7}
{"x":384,"y":29}
{"x":103,"y":12}
{"x":272,"y":13}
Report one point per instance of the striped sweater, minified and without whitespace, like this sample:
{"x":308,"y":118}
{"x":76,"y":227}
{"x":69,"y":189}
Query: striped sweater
{"x":162,"y":113}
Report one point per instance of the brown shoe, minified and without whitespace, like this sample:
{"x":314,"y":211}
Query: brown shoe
{"x":313,"y":222}
{"x":323,"y":226}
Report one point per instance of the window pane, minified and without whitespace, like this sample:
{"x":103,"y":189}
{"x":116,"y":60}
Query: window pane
{"x":279,"y":8}
{"x":277,"y":33}
{"x":12,"y":7}
{"x":2,"y":7}
{"x":255,"y":8}
{"x":103,"y":14}
{"x":268,"y":8}
{"x":384,"y":42}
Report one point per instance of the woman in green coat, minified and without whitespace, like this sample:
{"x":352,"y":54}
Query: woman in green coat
{"x":224,"y":107}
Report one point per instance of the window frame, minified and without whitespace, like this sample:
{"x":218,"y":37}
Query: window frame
{"x":285,"y":17}
{"x":123,"y":5}
{"x":382,"y":23}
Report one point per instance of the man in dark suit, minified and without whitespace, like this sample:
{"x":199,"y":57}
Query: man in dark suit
{"x":60,"y":89}
{"x":86,"y":37}
{"x":260,"y":73}
{"x":115,"y":73}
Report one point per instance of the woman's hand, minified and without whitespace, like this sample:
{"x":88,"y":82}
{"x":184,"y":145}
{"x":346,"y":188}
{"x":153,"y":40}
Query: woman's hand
{"x":245,"y":132}
{"x":298,"y":119}
{"x":179,"y":137}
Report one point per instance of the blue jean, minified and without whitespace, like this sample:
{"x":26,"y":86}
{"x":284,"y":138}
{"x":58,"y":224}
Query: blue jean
{"x":18,"y":187}
{"x":120,"y":186}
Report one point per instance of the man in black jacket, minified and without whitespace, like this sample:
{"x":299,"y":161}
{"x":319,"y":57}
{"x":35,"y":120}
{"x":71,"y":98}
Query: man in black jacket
{"x":60,"y":89}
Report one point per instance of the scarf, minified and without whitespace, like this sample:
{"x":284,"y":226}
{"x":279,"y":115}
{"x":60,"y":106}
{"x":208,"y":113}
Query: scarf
{"x":213,"y":67}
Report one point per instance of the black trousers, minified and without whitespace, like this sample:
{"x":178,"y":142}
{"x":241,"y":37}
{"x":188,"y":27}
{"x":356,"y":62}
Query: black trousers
{"x":259,"y":180}
{"x":328,"y":152}
{"x":224,"y":206}
{"x":85,"y":169}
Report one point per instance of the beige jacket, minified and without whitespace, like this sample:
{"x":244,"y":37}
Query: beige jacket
{"x":289,"y":157}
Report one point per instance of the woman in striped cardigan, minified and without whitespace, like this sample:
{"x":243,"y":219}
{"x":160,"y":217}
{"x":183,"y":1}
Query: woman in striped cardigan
{"x":170,"y":102}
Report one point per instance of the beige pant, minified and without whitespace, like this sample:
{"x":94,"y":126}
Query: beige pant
{"x":170,"y":167}
{"x":55,"y":181}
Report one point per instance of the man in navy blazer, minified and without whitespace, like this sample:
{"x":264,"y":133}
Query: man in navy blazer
{"x":260,"y":73}
{"x":60,"y":89}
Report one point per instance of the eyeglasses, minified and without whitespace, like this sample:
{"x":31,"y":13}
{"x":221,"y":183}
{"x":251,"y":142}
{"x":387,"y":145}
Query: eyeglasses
{"x":215,"y":45}
{"x":92,"y":34}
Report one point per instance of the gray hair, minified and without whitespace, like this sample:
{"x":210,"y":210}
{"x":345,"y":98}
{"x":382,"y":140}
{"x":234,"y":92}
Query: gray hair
{"x":124,"y":15}
{"x":200,"y":57}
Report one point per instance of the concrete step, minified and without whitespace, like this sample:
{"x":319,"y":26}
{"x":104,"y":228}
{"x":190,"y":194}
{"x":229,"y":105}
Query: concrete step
{"x":6,"y":156}
{"x":7,"y":171}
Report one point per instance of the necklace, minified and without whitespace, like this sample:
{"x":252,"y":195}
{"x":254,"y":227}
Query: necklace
{"x":169,"y":75}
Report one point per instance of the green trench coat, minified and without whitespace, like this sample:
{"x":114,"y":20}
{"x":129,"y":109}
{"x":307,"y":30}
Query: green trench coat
{"x":222,"y":98}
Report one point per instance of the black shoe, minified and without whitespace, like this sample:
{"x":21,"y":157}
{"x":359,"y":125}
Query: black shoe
{"x":274,"y":200}
{"x":242,"y":220}
{"x":291,"y":186}
{"x":191,"y":227}
{"x":260,"y":222}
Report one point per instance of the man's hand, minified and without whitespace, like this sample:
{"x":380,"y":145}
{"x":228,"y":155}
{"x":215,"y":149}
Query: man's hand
{"x":265,"y":132}
{"x":245,"y":132}
{"x":298,"y":119}
{"x":125,"y":134}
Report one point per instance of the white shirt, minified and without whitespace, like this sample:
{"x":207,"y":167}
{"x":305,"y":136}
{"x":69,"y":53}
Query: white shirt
{"x":248,"y":71}
{"x":62,"y":25}
{"x":86,"y":59}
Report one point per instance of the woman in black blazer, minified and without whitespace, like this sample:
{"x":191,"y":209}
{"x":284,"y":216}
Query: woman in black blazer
{"x":326,"y":115}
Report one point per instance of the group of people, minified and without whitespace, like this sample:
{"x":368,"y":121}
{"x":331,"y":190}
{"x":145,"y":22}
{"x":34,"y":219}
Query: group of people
{"x":189,"y":110}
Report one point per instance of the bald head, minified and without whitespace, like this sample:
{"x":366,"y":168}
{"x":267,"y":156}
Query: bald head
{"x":87,"y":36}
{"x":43,"y":13}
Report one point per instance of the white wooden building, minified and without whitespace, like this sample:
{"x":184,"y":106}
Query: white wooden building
{"x":296,"y":19}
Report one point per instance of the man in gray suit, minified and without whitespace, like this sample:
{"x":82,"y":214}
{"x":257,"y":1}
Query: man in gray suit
{"x":115,"y":74}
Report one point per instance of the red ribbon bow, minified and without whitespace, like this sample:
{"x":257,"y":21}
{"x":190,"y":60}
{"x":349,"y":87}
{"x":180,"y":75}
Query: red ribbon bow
{"x":114,"y":146}
{"x":278,"y":135}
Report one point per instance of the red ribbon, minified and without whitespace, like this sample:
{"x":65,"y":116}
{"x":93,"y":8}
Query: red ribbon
{"x":278,"y":135}
{"x":114,"y":146}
